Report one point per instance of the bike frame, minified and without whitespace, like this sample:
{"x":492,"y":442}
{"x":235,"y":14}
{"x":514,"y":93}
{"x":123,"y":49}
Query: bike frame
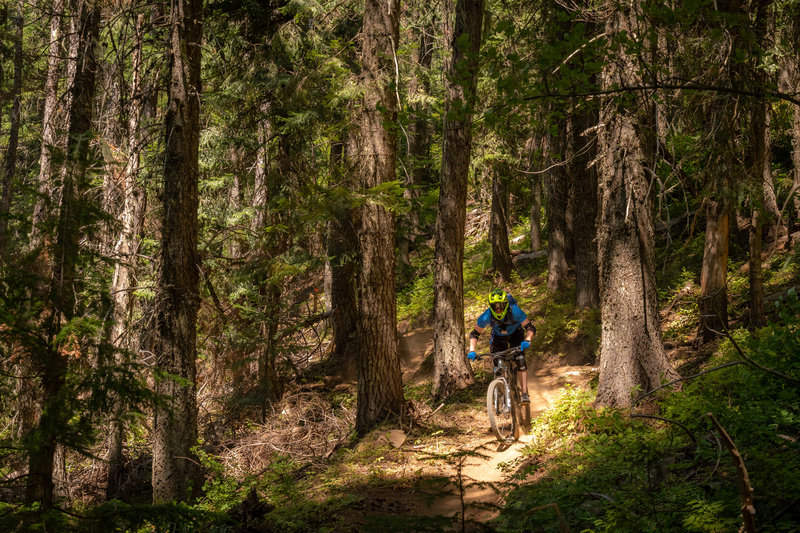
{"x":501,"y":370}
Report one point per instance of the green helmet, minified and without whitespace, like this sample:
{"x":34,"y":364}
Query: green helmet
{"x":498,"y":303}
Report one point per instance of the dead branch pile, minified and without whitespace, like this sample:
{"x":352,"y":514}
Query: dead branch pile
{"x":477,"y":224}
{"x":304,"y":426}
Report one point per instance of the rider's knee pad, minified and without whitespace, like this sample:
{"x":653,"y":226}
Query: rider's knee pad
{"x":521,"y":363}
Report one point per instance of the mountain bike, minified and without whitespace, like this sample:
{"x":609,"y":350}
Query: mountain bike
{"x":507,"y":415}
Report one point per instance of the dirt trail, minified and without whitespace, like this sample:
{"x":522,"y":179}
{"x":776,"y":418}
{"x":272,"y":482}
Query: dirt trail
{"x":483,"y":474}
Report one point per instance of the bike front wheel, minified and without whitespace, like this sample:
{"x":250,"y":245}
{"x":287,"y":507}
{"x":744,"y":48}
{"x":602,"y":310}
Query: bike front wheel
{"x":501,"y":413}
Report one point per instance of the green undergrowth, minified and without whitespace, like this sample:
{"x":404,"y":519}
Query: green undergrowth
{"x":607,"y":471}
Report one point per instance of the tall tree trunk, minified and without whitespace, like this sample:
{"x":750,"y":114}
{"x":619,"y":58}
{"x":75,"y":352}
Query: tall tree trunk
{"x":261,"y":184}
{"x":268,"y":383}
{"x":13,"y":135}
{"x":796,"y":163}
{"x":757,"y":315}
{"x":126,"y":252}
{"x":557,"y":197}
{"x":380,"y":390}
{"x":342,"y":248}
{"x":587,"y":290}
{"x":713,"y":303}
{"x":419,"y":144}
{"x":62,"y":296}
{"x":794,"y":80}
{"x":631,"y":350}
{"x":759,"y":133}
{"x":177,"y":297}
{"x":498,"y":230}
{"x":451,"y":371}
{"x":49,"y":123}
{"x":534,"y":153}
{"x":772,"y":230}
{"x":26,"y":394}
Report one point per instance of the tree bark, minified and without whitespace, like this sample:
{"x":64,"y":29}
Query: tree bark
{"x":757,"y":315}
{"x":759,"y":124}
{"x":49,"y":124}
{"x":126,"y":253}
{"x":62,"y":295}
{"x":796,"y":163}
{"x":713,"y":303}
{"x":342,"y":249}
{"x":177,"y":297}
{"x":557,"y":197}
{"x":419,"y":144}
{"x":535,"y":154}
{"x":451,"y":371}
{"x":631,"y":350}
{"x":261,"y":180}
{"x":13,"y":135}
{"x":772,"y":230}
{"x":380,"y":391}
{"x":587,"y":290}
{"x":498,"y":231}
{"x":794,"y":79}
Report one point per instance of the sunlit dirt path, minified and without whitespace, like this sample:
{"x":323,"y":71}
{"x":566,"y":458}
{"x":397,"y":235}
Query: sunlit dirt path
{"x":488,"y":464}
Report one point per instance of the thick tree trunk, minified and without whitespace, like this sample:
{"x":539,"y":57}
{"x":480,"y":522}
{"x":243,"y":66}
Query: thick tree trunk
{"x":631,"y":350}
{"x":713,"y":303}
{"x":13,"y":136}
{"x":451,"y":371}
{"x":498,"y":231}
{"x":177,"y":298}
{"x":62,"y":295}
{"x":380,"y":390}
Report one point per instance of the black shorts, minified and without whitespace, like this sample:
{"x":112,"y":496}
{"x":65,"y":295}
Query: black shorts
{"x":504,"y":342}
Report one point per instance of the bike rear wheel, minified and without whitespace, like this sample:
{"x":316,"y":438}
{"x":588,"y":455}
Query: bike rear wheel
{"x":502,"y":415}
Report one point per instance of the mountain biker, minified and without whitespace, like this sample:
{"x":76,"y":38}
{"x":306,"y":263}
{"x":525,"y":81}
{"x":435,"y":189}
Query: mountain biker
{"x":508,"y":322}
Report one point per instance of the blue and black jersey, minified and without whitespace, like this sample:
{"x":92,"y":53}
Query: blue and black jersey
{"x":506,"y":327}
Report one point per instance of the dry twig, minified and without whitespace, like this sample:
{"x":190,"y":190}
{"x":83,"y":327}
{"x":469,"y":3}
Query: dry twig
{"x":748,"y":508}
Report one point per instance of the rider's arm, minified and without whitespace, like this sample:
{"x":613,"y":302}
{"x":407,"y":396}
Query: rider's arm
{"x":530,"y":329}
{"x":473,"y":337}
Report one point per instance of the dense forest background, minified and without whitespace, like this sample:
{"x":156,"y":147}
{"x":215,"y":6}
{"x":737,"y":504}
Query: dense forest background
{"x":218,"y":218}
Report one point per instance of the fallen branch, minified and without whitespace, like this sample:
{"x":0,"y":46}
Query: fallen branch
{"x":748,"y":509}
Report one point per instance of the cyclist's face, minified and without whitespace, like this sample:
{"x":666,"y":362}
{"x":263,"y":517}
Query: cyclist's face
{"x":498,"y":307}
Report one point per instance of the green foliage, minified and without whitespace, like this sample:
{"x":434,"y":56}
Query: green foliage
{"x":564,"y":417}
{"x":609,"y":472}
{"x":415,"y":300}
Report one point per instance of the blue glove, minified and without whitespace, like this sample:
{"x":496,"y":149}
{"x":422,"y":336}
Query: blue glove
{"x":524,"y":345}
{"x":471,"y":356}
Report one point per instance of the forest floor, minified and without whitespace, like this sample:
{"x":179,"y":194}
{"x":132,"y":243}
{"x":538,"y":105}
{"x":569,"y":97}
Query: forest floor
{"x":449,"y":472}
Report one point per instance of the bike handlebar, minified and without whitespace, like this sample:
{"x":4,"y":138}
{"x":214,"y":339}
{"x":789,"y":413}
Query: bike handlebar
{"x":505,"y":353}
